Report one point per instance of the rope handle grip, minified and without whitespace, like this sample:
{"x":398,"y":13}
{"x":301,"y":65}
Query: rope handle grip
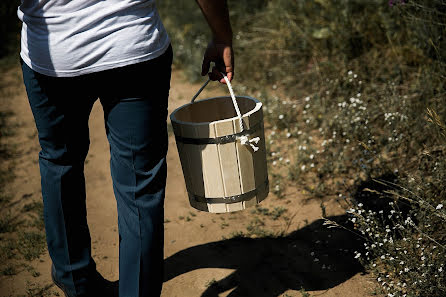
{"x":244,"y":138}
{"x":231,"y":92}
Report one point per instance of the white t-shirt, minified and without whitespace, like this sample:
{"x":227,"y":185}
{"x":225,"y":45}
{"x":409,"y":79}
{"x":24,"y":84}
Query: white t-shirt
{"x":67,"y":38}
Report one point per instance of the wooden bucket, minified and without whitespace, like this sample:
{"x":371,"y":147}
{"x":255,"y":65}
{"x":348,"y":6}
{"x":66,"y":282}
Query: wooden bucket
{"x":221,"y":173}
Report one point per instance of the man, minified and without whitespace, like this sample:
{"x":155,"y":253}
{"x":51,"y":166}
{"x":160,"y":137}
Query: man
{"x":73,"y":52}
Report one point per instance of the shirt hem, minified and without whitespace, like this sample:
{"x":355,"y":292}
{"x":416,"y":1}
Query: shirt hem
{"x":95,"y":68}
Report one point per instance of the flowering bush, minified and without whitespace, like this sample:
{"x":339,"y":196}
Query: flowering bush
{"x":406,"y":256}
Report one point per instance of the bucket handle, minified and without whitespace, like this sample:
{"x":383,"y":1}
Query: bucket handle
{"x":243,"y":139}
{"x":231,"y":92}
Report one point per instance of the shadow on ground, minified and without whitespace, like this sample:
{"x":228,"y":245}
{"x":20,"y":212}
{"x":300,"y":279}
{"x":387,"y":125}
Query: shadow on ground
{"x":310,"y":258}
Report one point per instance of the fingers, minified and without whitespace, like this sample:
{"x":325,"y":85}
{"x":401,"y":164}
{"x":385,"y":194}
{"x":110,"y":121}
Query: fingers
{"x":215,"y":74}
{"x":228,"y":60}
{"x":223,"y":58}
{"x":230,"y":75}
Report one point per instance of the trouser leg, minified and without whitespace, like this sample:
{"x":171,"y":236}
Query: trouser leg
{"x":135,"y":109}
{"x":61,"y":110}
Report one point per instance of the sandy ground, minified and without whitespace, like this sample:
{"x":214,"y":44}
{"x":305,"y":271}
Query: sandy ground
{"x":203,"y":258}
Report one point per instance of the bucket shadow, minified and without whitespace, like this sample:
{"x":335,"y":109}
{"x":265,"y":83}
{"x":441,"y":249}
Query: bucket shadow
{"x":310,"y":258}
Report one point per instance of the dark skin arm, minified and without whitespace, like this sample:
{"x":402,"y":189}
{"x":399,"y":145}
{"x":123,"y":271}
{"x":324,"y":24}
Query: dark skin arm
{"x":219,"y":49}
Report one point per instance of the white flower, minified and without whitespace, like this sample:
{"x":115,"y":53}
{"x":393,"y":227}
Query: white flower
{"x":281,"y":117}
{"x":408,"y":221}
{"x":307,"y":98}
{"x":288,"y":135}
{"x":439,"y":206}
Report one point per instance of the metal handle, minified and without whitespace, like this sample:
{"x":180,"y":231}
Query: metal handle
{"x":199,"y":91}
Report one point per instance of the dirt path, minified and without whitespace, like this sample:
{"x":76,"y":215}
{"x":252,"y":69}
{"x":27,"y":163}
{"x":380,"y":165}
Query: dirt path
{"x":205,"y":254}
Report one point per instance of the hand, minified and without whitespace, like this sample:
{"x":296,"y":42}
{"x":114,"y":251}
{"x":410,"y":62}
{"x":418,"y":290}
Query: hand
{"x":223,"y":57}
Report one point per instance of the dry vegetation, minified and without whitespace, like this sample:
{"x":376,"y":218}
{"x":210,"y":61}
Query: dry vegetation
{"x":354,"y":97}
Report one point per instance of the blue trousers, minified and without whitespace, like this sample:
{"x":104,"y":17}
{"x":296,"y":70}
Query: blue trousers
{"x":134,"y":99}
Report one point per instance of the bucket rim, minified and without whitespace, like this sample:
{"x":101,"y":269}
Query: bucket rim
{"x":257,"y":107}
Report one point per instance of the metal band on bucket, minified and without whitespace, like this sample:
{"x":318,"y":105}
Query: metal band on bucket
{"x":232,"y":199}
{"x":221,"y":139}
